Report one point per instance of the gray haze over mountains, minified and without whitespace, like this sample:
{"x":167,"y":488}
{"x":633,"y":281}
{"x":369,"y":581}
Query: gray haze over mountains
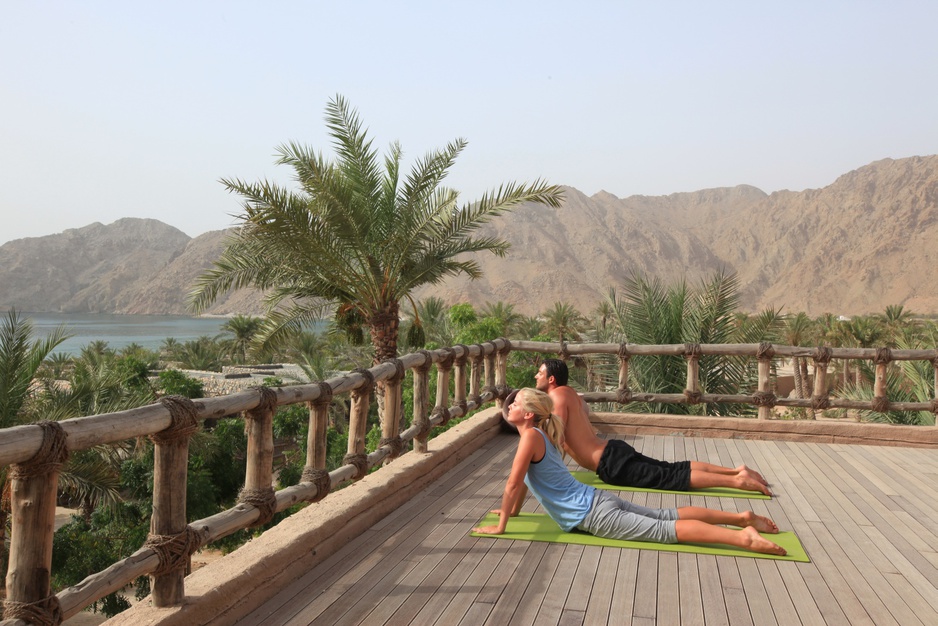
{"x":865,"y":241}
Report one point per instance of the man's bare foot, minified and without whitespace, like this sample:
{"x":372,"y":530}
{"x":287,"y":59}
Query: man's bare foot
{"x":758,"y":543}
{"x":748,"y":484}
{"x":744,"y":470}
{"x":759,"y":522}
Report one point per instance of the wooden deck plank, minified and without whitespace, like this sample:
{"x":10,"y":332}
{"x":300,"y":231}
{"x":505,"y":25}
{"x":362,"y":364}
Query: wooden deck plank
{"x":690,"y":600}
{"x":668,"y":610}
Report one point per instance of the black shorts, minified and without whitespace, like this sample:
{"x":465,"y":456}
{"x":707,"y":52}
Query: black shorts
{"x":623,"y":466}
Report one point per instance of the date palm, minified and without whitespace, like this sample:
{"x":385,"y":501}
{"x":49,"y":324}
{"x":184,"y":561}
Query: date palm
{"x":648,"y":312}
{"x":355,"y":235}
{"x":563,"y":321}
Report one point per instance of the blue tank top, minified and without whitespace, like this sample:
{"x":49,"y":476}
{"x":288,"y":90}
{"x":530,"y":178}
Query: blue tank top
{"x":565,"y":499}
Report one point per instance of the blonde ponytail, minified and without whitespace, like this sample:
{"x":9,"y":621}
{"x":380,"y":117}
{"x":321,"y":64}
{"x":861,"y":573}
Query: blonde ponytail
{"x":541,"y":404}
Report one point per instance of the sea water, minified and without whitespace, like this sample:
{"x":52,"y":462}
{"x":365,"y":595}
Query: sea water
{"x":119,"y":331}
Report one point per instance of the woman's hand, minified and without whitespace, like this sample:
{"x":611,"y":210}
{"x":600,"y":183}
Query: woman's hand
{"x":488,"y":530}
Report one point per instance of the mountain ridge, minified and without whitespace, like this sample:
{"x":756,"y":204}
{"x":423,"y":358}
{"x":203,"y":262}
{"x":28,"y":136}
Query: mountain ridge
{"x":852,"y":247}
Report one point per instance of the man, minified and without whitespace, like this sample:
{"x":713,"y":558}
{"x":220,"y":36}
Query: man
{"x":618,"y":463}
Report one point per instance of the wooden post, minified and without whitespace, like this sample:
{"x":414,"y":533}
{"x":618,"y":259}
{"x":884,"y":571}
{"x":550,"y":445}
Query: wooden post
{"x":475,"y":378}
{"x":819,"y":397}
{"x":258,"y":490}
{"x":168,"y":522}
{"x":358,"y":425}
{"x":391,"y":426}
{"x":421,"y":403}
{"x":934,"y":365}
{"x":501,"y":373}
{"x":318,"y":424}
{"x":259,"y":428}
{"x":880,"y":401}
{"x":442,"y":387}
{"x":459,"y":380}
{"x":692,"y":389}
{"x":490,"y":370}
{"x":624,"y":394}
{"x":33,"y":488}
{"x":765,"y":382}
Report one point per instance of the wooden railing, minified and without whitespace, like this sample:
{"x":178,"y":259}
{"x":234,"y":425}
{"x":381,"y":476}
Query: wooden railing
{"x":36,"y":452}
{"x":764,"y":353}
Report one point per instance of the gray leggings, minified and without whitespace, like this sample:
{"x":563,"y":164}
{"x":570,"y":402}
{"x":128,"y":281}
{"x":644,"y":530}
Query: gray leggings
{"x":615,"y":518}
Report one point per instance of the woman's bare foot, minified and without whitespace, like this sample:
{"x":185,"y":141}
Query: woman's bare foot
{"x":758,"y":543}
{"x":759,"y":522}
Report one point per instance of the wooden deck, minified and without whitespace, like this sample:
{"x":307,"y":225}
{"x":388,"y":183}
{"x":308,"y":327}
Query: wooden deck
{"x":868,"y":517}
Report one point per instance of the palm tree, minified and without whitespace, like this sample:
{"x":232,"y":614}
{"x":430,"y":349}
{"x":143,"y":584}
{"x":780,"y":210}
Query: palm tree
{"x":354,"y":234}
{"x":650,"y":313}
{"x":244,"y":328}
{"x":20,"y":360}
{"x":505,"y":315}
{"x":563,"y":321}
{"x":795,"y":333}
{"x":864,"y":332}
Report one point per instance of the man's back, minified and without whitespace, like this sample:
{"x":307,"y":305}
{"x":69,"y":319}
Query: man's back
{"x":580,"y":440}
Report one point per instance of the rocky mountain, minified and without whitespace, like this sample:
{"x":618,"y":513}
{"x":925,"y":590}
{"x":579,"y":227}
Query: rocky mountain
{"x":853,"y":247}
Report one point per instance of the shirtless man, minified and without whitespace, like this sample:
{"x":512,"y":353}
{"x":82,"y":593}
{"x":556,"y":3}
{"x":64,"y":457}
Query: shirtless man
{"x":618,"y":463}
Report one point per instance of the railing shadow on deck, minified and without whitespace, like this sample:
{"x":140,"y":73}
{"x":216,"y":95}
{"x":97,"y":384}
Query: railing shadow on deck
{"x":35,"y":454}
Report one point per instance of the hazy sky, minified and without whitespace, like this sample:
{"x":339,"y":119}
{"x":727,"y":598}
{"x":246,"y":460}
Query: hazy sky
{"x":117,"y":109}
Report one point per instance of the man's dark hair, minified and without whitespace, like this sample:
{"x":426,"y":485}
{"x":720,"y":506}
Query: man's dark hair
{"x":557,"y":369}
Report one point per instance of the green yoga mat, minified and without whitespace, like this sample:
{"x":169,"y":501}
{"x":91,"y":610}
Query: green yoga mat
{"x":591,"y":479}
{"x":539,"y":527}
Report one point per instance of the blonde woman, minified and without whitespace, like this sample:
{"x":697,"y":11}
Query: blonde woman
{"x":538,"y":465}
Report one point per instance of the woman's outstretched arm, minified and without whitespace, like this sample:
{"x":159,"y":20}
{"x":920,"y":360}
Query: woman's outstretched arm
{"x":515,"y":489}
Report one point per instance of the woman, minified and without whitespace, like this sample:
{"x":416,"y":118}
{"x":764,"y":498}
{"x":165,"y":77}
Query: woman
{"x":539,"y":465}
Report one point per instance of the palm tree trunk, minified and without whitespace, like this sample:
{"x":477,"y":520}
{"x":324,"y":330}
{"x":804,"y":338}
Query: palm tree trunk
{"x":383,"y":326}
{"x":796,"y":371}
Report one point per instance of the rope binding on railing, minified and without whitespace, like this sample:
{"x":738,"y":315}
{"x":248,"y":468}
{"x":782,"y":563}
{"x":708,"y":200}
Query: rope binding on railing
{"x":623,"y":395}
{"x":820,"y":403}
{"x":264,"y":500}
{"x":446,"y":363}
{"x":880,"y":404}
{"x":183,"y":424}
{"x":765,"y":351}
{"x":396,"y":444}
{"x":174,"y":550}
{"x":318,"y":477}
{"x":693,"y":397}
{"x":360,"y":461}
{"x":564,"y":353}
{"x":52,"y":453}
{"x":428,"y":361}
{"x":623,"y":353}
{"x":325,"y":394}
{"x":369,"y":379}
{"x":462,"y":358}
{"x":399,"y":371}
{"x":267,"y":403}
{"x":883,"y":356}
{"x":45,"y":612}
{"x":443,"y":412}
{"x":823,"y":355}
{"x":764,"y":398}
{"x":692,"y":351}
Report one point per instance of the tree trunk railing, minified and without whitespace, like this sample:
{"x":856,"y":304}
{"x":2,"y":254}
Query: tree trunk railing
{"x":36,"y":452}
